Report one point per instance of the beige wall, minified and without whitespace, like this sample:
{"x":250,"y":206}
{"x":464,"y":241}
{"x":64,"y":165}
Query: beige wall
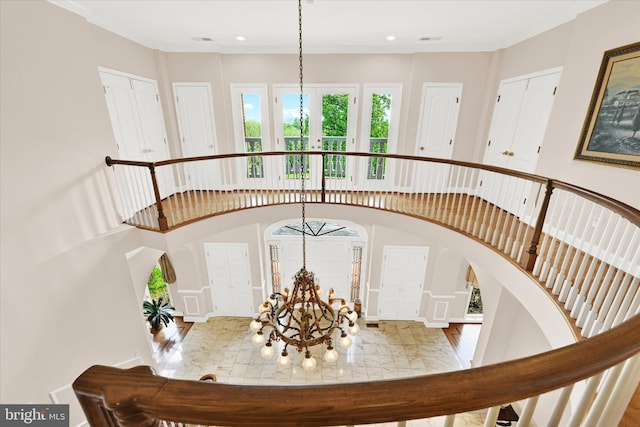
{"x":412,"y":71}
{"x":547,"y":50}
{"x":578,"y":46}
{"x":67,"y":300}
{"x":62,"y":254}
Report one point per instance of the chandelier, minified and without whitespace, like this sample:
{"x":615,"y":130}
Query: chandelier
{"x":301,"y":318}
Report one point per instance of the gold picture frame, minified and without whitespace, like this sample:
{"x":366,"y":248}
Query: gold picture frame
{"x":611,"y":131}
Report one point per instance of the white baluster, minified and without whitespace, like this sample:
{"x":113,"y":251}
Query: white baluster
{"x":449,"y":420}
{"x":604,"y":391}
{"x":527,"y":413}
{"x":585,"y":400}
{"x":561,"y":404}
{"x":626,"y":308}
{"x":492,"y":417}
{"x":621,"y":394}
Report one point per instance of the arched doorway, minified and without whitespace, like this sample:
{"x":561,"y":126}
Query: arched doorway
{"x":157,"y":286}
{"x":474,"y":311}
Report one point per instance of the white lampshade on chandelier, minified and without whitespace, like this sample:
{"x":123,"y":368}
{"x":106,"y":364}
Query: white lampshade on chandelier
{"x":301,"y":319}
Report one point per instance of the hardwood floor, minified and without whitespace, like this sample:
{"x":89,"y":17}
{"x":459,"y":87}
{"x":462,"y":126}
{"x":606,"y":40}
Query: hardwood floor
{"x":463,"y":338}
{"x":165,"y":341}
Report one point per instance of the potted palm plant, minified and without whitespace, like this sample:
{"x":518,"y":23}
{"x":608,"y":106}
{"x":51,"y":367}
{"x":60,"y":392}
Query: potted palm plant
{"x":158,"y":313}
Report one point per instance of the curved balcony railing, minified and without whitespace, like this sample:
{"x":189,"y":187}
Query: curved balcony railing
{"x":582,"y":247}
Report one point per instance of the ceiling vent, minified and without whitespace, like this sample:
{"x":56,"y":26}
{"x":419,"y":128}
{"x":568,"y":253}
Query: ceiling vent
{"x":202,"y":39}
{"x":430,"y":39}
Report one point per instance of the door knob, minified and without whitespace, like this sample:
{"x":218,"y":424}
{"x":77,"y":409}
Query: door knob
{"x":511,"y":153}
{"x":505,"y":153}
{"x":421,"y":148}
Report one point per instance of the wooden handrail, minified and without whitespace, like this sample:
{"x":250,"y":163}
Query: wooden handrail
{"x":532,"y":177}
{"x":110,"y":162}
{"x":137,"y":394}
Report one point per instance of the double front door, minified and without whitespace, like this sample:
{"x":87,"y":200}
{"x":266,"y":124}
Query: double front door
{"x":330,"y":259}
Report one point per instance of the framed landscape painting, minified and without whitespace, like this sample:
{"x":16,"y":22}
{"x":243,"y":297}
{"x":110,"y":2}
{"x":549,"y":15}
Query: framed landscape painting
{"x":611,"y":131}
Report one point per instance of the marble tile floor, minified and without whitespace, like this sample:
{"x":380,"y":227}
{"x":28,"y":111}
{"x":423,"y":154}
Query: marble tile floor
{"x":395,"y":349}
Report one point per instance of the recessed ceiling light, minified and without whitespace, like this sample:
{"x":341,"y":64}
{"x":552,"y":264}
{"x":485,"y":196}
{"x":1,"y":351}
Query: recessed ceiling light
{"x":241,"y":38}
{"x":390,"y":38}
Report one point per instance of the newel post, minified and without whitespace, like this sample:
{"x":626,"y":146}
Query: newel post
{"x":162,"y":220}
{"x":529,"y":259}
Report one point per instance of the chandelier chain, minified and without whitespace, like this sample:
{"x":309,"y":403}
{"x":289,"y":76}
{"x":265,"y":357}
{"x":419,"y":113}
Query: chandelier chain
{"x":302,"y":145}
{"x":300,"y":318}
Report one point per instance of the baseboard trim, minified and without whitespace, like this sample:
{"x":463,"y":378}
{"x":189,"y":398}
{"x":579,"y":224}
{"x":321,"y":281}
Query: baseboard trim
{"x":196,"y":319}
{"x":435,"y":324}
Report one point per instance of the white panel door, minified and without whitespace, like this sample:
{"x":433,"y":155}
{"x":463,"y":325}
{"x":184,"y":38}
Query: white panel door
{"x":503,"y":129}
{"x":504,"y":122}
{"x":122,"y":107}
{"x":329,"y":259}
{"x":151,"y":122}
{"x":436,"y":136}
{"x":402,"y":280}
{"x":153,"y":133}
{"x":194,"y":109}
{"x":138,"y":127}
{"x":519,"y":123}
{"x":520,"y":120}
{"x":532,"y":122}
{"x":229,"y":278}
{"x":123,"y":112}
{"x":290,"y":260}
{"x":440,"y":107}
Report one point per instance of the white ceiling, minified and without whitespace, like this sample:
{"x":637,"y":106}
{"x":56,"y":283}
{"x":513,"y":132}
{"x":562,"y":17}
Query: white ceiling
{"x":329,"y":26}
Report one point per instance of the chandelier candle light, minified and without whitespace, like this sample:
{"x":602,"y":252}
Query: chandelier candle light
{"x":301,"y":319}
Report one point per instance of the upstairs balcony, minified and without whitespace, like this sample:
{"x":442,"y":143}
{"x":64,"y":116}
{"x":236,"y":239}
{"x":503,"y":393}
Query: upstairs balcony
{"x":581,"y":247}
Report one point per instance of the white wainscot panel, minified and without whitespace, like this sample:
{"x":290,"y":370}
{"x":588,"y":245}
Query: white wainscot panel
{"x":191,"y":301}
{"x":191,"y":306}
{"x":458,"y":307}
{"x":437,"y":310}
{"x":65,"y":395}
{"x":440,"y":309}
